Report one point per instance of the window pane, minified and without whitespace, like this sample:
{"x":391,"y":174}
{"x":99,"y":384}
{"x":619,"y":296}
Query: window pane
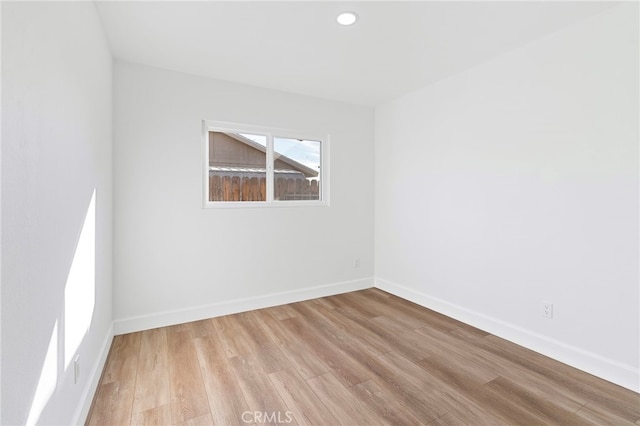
{"x":296,"y":169}
{"x":237,"y":167}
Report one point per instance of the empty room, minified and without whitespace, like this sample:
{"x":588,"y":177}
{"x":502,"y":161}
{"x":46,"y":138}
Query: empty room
{"x":321,"y":213}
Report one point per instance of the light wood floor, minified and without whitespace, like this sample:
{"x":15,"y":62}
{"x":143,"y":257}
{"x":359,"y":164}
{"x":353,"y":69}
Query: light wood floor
{"x":362,"y":358}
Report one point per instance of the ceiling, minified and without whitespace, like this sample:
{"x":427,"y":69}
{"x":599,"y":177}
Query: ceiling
{"x":298,"y":47}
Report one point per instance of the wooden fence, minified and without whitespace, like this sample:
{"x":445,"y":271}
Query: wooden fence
{"x":236,"y":188}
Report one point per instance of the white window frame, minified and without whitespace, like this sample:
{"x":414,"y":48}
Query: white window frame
{"x":270,"y":133}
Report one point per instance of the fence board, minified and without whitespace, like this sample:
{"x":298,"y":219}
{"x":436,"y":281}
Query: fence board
{"x":235,"y":188}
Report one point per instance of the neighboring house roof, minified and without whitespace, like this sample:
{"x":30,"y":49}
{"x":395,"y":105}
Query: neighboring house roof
{"x":307,"y":171}
{"x":257,"y":171}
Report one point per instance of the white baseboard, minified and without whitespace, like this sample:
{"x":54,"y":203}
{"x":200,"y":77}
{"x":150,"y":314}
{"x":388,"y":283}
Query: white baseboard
{"x":162,"y":319}
{"x":80,"y":416}
{"x":624,"y":375}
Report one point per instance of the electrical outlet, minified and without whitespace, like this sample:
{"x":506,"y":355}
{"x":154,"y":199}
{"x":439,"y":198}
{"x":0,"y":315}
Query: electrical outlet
{"x":546,"y":309}
{"x":356,"y":262}
{"x":76,"y":369}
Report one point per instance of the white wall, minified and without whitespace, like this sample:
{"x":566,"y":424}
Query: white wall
{"x":175,"y":261}
{"x":517,"y":182}
{"x":56,"y":150}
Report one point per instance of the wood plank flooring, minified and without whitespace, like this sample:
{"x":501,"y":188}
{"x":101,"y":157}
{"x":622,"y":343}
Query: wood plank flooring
{"x":361,"y":358}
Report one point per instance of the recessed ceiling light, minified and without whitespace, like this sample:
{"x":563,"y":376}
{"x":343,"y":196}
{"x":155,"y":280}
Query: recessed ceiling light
{"x":347,"y":18}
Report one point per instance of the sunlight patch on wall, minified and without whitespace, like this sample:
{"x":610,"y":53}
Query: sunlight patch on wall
{"x":48,"y":379}
{"x":79,"y":292}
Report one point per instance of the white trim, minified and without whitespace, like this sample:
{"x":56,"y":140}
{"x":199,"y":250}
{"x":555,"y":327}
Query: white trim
{"x":205,"y":164}
{"x":180,"y":316}
{"x":624,"y":375}
{"x":262,"y":204}
{"x":270,"y":184}
{"x":80,"y":416}
{"x":325,"y":147}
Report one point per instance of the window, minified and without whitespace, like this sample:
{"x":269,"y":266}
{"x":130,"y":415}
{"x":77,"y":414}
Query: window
{"x":247,"y":166}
